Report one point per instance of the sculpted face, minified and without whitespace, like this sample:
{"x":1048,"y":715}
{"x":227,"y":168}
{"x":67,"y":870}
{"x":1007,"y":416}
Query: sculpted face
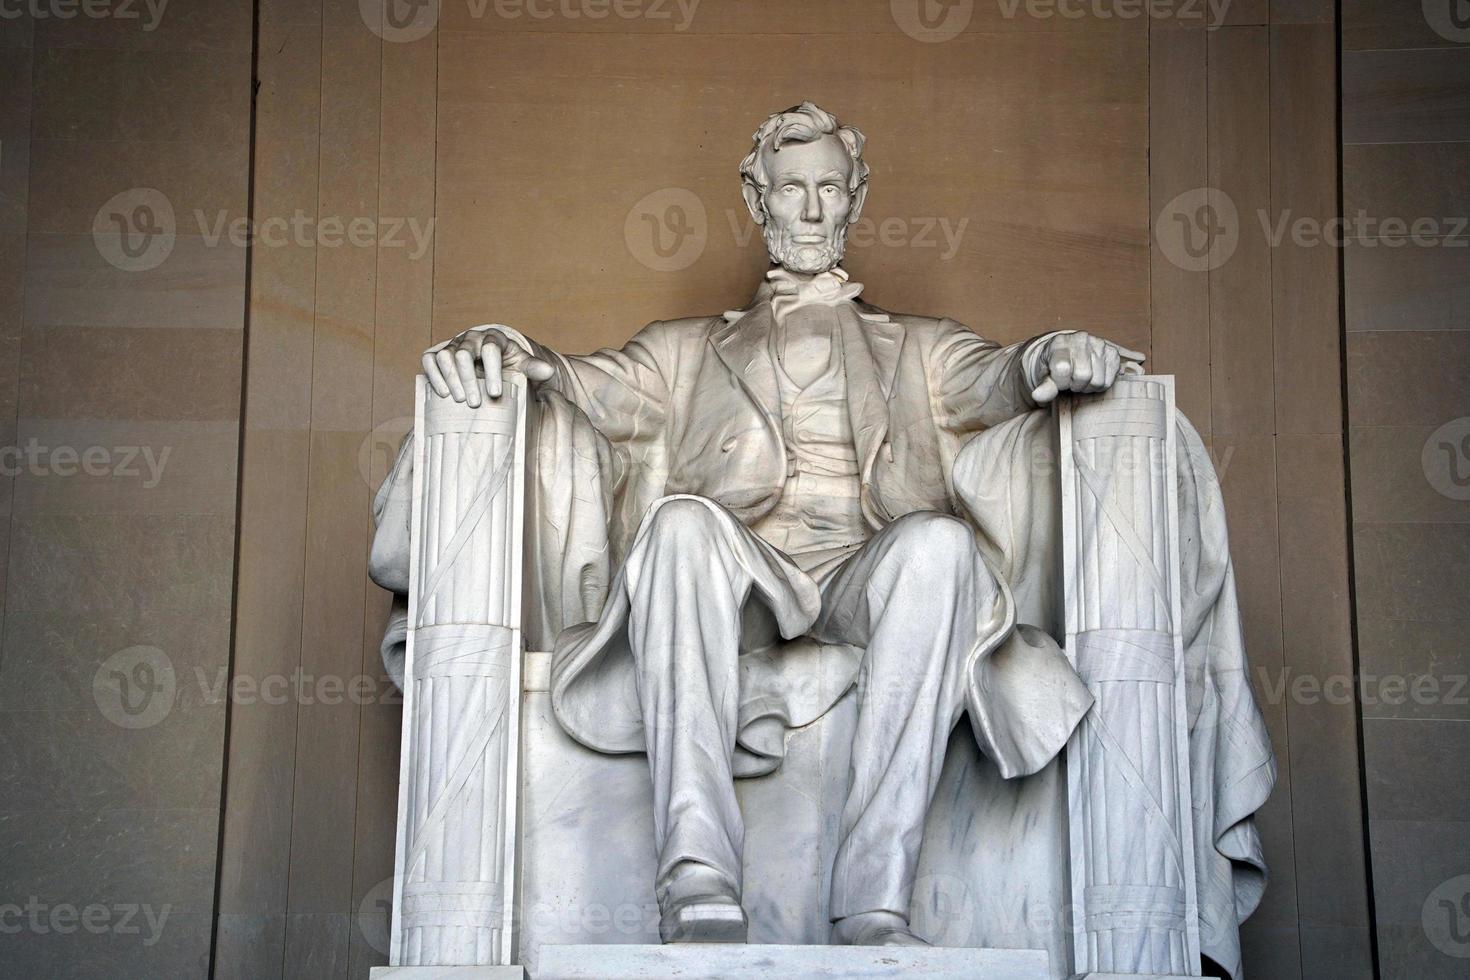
{"x":807,"y":206}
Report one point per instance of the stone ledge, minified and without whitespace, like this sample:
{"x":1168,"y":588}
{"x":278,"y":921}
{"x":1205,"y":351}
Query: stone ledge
{"x":447,"y":973}
{"x":746,"y":962}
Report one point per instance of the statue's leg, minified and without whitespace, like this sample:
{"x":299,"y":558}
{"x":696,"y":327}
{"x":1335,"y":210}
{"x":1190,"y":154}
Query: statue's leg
{"x":914,"y":597}
{"x":684,"y":628}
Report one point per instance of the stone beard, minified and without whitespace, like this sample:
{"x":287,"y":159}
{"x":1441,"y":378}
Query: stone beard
{"x":807,"y":258}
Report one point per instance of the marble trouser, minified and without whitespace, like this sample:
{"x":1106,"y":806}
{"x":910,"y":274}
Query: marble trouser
{"x":913,"y":597}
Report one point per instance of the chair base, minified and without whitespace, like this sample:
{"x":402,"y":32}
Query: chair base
{"x":741,"y":962}
{"x":447,"y":973}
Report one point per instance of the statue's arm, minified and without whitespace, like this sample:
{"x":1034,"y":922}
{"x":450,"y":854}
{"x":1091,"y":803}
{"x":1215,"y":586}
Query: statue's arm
{"x":978,"y":382}
{"x":624,"y":392}
{"x":981,"y":384}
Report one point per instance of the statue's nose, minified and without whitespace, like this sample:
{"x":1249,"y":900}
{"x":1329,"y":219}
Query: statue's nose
{"x":813,"y":209}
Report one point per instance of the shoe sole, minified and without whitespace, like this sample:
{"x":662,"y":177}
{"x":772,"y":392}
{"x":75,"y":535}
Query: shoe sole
{"x":705,"y":922}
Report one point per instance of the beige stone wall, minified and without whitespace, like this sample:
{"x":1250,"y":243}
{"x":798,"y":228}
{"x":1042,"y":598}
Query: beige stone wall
{"x":120,"y":390}
{"x":1406,"y":156}
{"x":1019,"y":171}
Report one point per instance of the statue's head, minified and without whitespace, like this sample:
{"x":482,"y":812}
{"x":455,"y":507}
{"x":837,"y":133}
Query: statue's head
{"x":805,"y":182}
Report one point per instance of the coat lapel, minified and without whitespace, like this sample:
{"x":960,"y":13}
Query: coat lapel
{"x":743,"y":344}
{"x":871,"y":343}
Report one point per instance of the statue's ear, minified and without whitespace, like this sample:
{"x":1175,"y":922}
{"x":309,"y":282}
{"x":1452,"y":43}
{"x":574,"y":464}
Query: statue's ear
{"x":859,"y":198}
{"x":752,"y":195}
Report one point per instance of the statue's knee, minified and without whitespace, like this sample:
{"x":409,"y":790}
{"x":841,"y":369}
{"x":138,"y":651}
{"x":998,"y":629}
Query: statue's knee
{"x":683,"y":521}
{"x":929,"y":539}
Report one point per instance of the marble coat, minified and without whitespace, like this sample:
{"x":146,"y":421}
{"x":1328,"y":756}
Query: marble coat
{"x":692,"y":407}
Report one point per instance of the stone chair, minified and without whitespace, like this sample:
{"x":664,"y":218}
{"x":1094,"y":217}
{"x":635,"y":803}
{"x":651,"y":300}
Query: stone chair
{"x":515,"y":842}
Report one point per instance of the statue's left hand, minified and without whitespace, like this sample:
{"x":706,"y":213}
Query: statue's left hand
{"x":1078,"y":361}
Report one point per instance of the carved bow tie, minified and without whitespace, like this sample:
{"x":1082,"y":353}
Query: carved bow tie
{"x":791,"y":291}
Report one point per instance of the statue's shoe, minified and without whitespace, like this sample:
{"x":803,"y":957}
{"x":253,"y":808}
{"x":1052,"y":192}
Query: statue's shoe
{"x":874,"y":929}
{"x":697,"y":906}
{"x":717,"y":919}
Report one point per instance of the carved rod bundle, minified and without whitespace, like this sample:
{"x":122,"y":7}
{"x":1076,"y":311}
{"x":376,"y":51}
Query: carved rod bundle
{"x":454,"y":888}
{"x":1134,"y":904}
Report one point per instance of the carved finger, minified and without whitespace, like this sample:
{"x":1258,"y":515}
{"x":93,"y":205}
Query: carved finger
{"x":1044,"y":392}
{"x":537,"y":369}
{"x":491,"y":356}
{"x":451,"y":374}
{"x":1130,"y":355}
{"x":465,"y":361}
{"x":1100,"y":379}
{"x":433,"y":376}
{"x":1081,"y":372}
{"x":1111,"y":363}
{"x":1059,"y":369}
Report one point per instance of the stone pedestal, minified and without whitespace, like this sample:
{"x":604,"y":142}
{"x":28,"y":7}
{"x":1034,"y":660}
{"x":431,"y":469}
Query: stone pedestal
{"x":447,"y":973}
{"x":750,"y":962}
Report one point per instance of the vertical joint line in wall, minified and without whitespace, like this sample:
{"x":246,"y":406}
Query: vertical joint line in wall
{"x":243,"y":406}
{"x":1276,"y":326}
{"x":367,"y":585}
{"x":321,"y":81}
{"x":1347,"y":484}
{"x":1148,"y":168}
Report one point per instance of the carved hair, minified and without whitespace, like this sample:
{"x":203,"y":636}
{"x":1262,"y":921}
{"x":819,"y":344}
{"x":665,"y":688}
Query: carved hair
{"x":803,"y":123}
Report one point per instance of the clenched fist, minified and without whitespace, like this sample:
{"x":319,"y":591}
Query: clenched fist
{"x":451,"y":366}
{"x":1078,"y":361}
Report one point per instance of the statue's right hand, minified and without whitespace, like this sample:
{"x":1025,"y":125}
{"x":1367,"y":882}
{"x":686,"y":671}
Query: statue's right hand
{"x":453,"y":366}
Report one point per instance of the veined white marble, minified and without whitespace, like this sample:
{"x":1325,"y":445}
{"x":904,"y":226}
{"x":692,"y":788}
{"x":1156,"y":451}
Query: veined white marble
{"x":1133,"y":864}
{"x":755,"y":962}
{"x":454,"y":884}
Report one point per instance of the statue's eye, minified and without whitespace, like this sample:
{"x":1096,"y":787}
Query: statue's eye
{"x":831,"y":190}
{"x":789,"y":189}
